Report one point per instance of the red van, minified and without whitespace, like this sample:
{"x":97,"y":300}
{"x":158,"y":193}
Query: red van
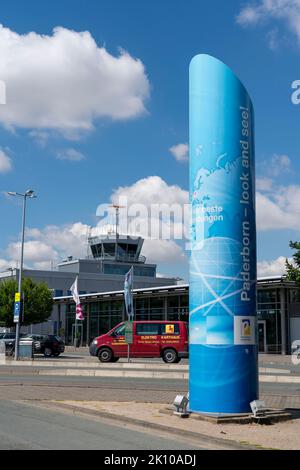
{"x":165,"y":339}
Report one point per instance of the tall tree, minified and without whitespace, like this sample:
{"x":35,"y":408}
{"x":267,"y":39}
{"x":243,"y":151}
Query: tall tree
{"x":37,"y":306}
{"x":293,"y":269}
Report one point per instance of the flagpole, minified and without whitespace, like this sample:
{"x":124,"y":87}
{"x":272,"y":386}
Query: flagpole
{"x":78,"y":309}
{"x":131,"y":313}
{"x":75,"y":331}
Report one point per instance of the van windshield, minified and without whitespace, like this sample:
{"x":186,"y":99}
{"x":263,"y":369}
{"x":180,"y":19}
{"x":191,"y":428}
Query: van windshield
{"x":120,"y":331}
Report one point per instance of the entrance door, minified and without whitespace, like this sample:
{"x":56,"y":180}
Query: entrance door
{"x":262,"y":336}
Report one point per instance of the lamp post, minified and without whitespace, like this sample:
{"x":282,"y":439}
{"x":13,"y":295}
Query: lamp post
{"x":28,"y":194}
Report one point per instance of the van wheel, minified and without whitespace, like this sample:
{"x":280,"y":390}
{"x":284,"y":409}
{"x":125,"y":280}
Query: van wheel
{"x":105,"y":355}
{"x":170,"y":356}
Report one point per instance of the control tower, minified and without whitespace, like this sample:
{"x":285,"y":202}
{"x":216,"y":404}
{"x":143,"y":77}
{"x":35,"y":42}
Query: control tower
{"x":116,"y":255}
{"x":110,"y":256}
{"x":121,"y":248}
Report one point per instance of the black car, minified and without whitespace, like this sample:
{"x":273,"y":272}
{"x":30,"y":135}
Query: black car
{"x":49,"y":345}
{"x":9,"y":341}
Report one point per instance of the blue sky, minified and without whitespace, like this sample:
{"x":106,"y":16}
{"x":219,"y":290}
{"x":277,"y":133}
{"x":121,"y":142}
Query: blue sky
{"x":73,"y":168}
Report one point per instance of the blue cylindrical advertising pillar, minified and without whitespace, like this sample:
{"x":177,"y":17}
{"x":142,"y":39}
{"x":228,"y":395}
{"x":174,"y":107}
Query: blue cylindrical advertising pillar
{"x":223,"y":336}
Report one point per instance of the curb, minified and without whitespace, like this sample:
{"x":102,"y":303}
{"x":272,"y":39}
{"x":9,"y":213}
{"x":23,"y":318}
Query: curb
{"x":272,"y":416}
{"x":279,"y":379}
{"x":117,"y":373}
{"x":129,"y":373}
{"x":123,"y":365}
{"x":233,"y":445}
{"x":97,"y":365}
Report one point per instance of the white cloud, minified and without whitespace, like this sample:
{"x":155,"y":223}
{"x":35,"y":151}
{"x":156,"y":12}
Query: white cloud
{"x":46,"y":247}
{"x":264,"y":184}
{"x":274,"y":267}
{"x":5,"y":264}
{"x":5,"y":162}
{"x":149,"y":193}
{"x":271,"y":168}
{"x":34,"y":251}
{"x":248,"y":15}
{"x":54,"y":243}
{"x":65,"y":81}
{"x":286,"y":10}
{"x":65,"y":240}
{"x":163,"y":251}
{"x":273,"y":39}
{"x":279,"y":209}
{"x":279,"y":164}
{"x":151,"y":190}
{"x":40,"y":137}
{"x":180,"y":152}
{"x":277,"y":205}
{"x":70,"y":154}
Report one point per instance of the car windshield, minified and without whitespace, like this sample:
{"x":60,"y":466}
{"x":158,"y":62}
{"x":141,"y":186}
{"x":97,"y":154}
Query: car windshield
{"x":54,"y":338}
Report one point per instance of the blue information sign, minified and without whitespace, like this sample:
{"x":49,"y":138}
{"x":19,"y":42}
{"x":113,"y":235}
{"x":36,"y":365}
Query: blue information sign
{"x":17,"y":310}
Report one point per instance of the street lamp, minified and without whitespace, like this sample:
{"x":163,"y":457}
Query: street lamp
{"x":28,"y":194}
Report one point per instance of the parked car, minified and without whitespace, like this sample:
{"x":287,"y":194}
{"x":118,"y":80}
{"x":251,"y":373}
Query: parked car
{"x":165,"y":339}
{"x":49,"y":345}
{"x":9,"y":340}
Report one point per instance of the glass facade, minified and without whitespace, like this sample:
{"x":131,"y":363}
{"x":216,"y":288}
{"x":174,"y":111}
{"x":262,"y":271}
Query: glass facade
{"x":147,"y":271}
{"x":101,"y":316}
{"x":269,"y":319}
{"x":104,"y":313}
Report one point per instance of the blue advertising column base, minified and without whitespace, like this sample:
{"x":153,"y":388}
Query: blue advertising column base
{"x":224,"y":382}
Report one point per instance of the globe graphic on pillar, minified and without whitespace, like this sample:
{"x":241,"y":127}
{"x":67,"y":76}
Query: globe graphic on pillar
{"x":215,"y":273}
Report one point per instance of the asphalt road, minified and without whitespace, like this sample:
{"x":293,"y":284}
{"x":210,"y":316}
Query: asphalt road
{"x":23,"y":386}
{"x":26,"y":426}
{"x":29,"y":427}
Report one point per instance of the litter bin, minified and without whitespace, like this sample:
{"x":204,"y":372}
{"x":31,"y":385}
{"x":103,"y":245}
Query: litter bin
{"x":26,"y":349}
{"x":2,"y":351}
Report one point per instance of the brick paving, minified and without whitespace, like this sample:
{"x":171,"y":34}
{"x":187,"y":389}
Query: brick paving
{"x":42,"y":391}
{"x":45,"y":392}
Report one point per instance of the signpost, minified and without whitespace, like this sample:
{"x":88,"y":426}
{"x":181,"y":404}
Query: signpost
{"x":128,"y":337}
{"x":17,"y":307}
{"x":128,"y":287}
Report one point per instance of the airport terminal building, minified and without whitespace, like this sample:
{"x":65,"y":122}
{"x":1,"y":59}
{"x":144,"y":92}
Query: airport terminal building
{"x":102,"y":270}
{"x":278,"y":311}
{"x":101,"y":284}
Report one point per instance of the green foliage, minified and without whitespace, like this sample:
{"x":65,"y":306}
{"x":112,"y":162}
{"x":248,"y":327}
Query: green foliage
{"x":293,"y":269}
{"x":37,"y":306}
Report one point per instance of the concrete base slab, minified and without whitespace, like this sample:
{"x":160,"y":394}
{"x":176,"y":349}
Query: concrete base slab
{"x":271,"y":416}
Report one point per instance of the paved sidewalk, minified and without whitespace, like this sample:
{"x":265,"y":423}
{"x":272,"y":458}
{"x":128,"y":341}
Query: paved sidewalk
{"x":284,"y":435}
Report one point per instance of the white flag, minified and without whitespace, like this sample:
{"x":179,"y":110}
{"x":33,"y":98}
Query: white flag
{"x":74,"y":291}
{"x":128,"y":285}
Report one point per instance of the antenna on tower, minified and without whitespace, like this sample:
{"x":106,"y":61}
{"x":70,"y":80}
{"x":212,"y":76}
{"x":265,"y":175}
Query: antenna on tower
{"x":117,"y":209}
{"x":88,"y":236}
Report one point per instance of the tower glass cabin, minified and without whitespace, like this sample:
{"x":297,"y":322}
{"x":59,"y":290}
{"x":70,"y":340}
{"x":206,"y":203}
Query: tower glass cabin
{"x":118,"y":253}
